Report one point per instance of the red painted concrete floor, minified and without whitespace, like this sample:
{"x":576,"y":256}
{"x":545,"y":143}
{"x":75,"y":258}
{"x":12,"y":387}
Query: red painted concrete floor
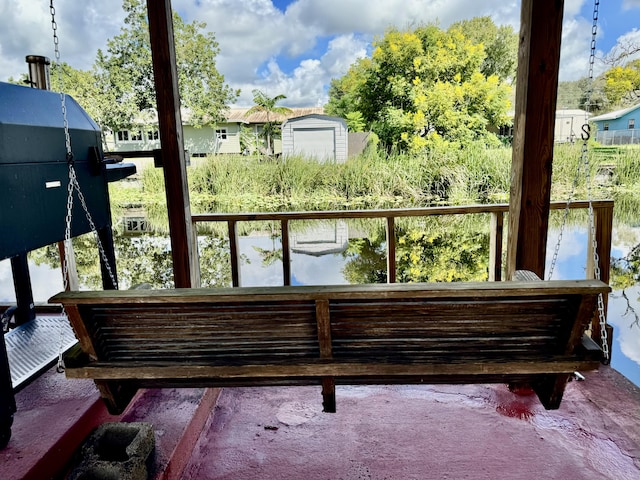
{"x":423,"y":432}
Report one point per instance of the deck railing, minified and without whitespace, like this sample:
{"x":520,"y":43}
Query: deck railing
{"x":603,"y":216}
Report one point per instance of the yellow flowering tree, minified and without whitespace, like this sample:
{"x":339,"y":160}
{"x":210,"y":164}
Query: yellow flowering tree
{"x":424,"y":86}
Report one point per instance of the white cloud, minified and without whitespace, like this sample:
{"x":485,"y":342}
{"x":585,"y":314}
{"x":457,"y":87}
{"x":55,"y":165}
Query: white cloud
{"x":629,"y":4}
{"x":576,"y":50}
{"x":263,"y":47}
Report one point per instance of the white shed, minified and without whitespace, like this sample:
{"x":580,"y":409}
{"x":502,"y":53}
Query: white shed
{"x":316,"y":136}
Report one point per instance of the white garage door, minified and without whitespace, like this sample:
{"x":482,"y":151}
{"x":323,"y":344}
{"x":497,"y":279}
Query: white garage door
{"x":318,"y":143}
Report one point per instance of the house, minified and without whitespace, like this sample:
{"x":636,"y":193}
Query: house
{"x":618,"y":127}
{"x":238,"y":133}
{"x":568,"y":126}
{"x":316,"y":136}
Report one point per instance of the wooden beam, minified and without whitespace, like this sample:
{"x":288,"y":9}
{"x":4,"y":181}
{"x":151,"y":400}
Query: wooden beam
{"x":171,"y":140}
{"x":537,"y":84}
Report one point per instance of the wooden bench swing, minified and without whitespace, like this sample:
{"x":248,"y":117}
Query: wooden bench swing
{"x":518,"y":332}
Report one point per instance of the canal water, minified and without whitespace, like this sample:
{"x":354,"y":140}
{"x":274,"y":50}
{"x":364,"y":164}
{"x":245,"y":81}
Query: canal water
{"x":315,"y":263}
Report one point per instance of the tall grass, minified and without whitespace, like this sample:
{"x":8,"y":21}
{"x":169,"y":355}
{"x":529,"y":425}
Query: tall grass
{"x":375,"y":179}
{"x":371,"y":180}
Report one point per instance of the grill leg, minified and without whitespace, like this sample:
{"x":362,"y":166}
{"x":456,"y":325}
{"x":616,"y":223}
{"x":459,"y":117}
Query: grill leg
{"x":22,"y":283}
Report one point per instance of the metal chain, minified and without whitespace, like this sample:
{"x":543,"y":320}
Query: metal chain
{"x":584,"y":165}
{"x":72,"y":186}
{"x":585,"y":137}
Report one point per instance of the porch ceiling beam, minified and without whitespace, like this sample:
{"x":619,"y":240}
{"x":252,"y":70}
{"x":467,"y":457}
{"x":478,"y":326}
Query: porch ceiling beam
{"x":536,"y":89}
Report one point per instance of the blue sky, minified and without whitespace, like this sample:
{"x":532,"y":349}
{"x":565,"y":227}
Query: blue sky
{"x":294,"y":47}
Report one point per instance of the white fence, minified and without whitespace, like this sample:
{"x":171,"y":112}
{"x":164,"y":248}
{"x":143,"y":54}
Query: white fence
{"x":618,"y":137}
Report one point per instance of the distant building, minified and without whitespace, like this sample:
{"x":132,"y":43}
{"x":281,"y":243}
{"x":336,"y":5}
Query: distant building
{"x":568,"y":126}
{"x":223,"y":138}
{"x":619,"y":127}
{"x":320,"y":137}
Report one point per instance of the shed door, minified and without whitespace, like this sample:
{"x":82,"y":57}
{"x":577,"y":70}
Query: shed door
{"x":315,"y":142}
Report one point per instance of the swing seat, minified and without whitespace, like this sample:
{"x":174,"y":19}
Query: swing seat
{"x":520,"y":332}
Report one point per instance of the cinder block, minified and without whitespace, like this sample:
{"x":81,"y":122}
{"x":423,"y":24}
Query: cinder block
{"x":116,"y":451}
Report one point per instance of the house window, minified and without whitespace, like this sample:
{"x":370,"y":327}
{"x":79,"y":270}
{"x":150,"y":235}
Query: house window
{"x":632,"y":123}
{"x":605,"y":126}
{"x":153,"y":135}
{"x":221,"y":133}
{"x":123,"y":135}
{"x":136,"y":136}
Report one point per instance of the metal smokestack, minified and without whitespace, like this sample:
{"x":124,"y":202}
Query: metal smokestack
{"x":39,"y":72}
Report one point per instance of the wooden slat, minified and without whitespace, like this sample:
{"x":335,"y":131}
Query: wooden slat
{"x":134,"y":371}
{"x":494,"y":290}
{"x":324,"y":328}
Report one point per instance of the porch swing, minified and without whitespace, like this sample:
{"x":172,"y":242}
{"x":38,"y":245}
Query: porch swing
{"x":525,"y":331}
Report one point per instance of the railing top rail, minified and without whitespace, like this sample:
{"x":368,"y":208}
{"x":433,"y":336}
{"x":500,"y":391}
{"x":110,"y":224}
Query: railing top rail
{"x":383,"y":213}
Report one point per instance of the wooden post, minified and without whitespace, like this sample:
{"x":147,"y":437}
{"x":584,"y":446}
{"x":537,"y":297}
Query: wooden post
{"x":286,"y":252}
{"x":495,"y":246}
{"x":391,"y":250}
{"x":537,"y":84}
{"x":234,"y":252}
{"x":171,"y":139}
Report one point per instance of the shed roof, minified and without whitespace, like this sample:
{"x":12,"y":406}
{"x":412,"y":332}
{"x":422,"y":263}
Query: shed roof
{"x":615,"y":114}
{"x":571,"y":112}
{"x":240,"y":115}
{"x":316,"y":115}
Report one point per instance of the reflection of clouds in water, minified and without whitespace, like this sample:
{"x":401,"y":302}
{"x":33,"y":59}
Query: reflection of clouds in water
{"x":324,"y":270}
{"x":628,"y":336}
{"x":572,"y":255}
{"x":252,"y":272}
{"x":307,"y":269}
{"x":571,"y":264}
{"x":45,"y":281}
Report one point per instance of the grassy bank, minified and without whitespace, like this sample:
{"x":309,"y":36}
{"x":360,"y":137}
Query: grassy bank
{"x":377,"y":180}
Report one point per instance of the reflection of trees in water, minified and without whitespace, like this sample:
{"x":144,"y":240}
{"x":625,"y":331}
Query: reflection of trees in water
{"x":143,"y":259}
{"x":450,"y":255}
{"x":625,"y":273}
{"x":368,"y":260}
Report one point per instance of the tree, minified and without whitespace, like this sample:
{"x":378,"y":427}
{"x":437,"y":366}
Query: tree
{"x":267,"y":105}
{"x":500,"y":45}
{"x":426,"y":86}
{"x":623,"y":84}
{"x":355,"y":122}
{"x":82,"y":86}
{"x":124,"y":73}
